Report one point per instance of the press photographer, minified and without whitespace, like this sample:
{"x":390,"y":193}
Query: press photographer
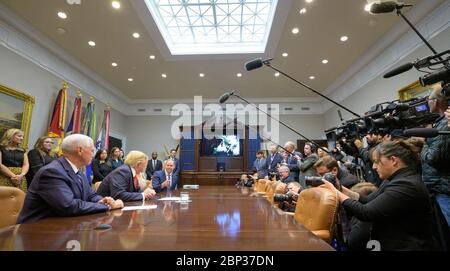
{"x":328,"y":164}
{"x":288,"y":201}
{"x":372,"y":139}
{"x":435,"y":155}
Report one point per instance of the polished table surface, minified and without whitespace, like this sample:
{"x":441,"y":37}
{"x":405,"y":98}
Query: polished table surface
{"x":217,"y":219}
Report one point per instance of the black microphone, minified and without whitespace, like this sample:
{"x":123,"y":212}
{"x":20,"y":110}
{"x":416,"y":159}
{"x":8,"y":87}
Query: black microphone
{"x":254,"y":64}
{"x":225,"y":96}
{"x":379,"y":7}
{"x":401,"y":69}
{"x":424,"y":132}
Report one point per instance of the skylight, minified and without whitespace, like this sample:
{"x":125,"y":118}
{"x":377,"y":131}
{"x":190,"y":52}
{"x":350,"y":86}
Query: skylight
{"x":192,"y":27}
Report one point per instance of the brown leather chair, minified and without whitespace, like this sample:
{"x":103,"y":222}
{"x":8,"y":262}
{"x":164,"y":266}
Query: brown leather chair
{"x":317,"y":210}
{"x":11,"y":202}
{"x":261,"y":187}
{"x":97,"y":185}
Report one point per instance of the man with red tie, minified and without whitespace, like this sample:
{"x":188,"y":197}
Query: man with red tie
{"x":123,"y":182}
{"x":165,"y":180}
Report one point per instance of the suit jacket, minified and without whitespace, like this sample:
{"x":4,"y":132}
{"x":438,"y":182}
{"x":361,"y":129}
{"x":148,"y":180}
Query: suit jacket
{"x":159,"y":177}
{"x":271,"y":164}
{"x":400,"y":212}
{"x":176,"y":170}
{"x":260,"y":166}
{"x":119,"y":184}
{"x":293,"y":165}
{"x":150,"y":170}
{"x":56,"y":191}
{"x":306,"y":168}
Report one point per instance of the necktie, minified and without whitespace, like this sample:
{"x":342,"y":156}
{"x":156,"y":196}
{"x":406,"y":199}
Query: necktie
{"x":154,"y":164}
{"x":136,"y":183}
{"x":80,"y":177}
{"x":170,"y":181}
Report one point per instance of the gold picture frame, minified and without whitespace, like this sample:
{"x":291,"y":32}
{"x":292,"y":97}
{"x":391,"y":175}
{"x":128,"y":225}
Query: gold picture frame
{"x":15,"y":111}
{"x":413,"y":90}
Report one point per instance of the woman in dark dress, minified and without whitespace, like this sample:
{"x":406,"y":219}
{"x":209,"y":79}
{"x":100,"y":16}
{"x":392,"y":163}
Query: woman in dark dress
{"x":101,"y":166}
{"x":13,"y":161}
{"x":400,"y":210}
{"x":116,"y":161}
{"x":39,"y":156}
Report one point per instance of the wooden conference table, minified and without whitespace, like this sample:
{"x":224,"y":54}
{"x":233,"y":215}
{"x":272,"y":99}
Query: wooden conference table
{"x":217,"y":219}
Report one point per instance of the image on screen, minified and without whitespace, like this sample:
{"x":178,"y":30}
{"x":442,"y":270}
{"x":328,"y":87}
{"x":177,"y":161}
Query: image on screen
{"x":224,"y":145}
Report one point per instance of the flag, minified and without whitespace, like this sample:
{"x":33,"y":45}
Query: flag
{"x":75,"y":121}
{"x":103,"y":136}
{"x":88,"y":128}
{"x":57,"y":123}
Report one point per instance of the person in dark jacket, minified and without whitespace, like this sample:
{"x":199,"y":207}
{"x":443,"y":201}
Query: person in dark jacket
{"x":39,"y":157}
{"x":400,"y":210}
{"x":306,"y":165}
{"x":115,"y":159}
{"x":101,"y":166}
{"x":372,"y":141}
{"x":436,"y":155}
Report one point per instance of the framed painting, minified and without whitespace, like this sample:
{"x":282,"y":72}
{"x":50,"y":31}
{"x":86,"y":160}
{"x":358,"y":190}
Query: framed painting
{"x":15,"y":111}
{"x":414,"y":90}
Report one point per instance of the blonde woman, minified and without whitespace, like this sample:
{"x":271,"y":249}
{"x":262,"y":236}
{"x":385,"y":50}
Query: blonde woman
{"x":13,"y":160}
{"x":39,"y":156}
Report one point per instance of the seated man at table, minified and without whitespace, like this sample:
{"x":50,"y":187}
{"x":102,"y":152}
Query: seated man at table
{"x":60,"y":188}
{"x":123,"y":182}
{"x":165,"y":180}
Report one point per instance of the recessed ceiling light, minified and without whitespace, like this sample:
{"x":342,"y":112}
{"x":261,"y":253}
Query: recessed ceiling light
{"x":344,"y":38}
{"x":114,"y":64}
{"x":312,"y":77}
{"x":62,"y":15}
{"x":130,"y":79}
{"x":239,"y":75}
{"x":325,"y":61}
{"x":201,"y":75}
{"x":136,"y":35}
{"x":152,"y":57}
{"x":303,"y":11}
{"x":61,"y":31}
{"x":277,"y":74}
{"x":285,"y":54}
{"x":164,"y":75}
{"x":308,"y":1}
{"x":115,"y":4}
{"x":91,"y":43}
{"x":295,"y":30}
{"x":367,"y":7}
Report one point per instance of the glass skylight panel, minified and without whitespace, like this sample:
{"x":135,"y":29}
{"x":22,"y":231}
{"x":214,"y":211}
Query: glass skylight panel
{"x":214,"y":26}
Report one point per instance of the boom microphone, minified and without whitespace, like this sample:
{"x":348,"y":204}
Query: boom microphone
{"x":401,"y":69}
{"x":379,"y":7}
{"x":225,"y":96}
{"x":424,"y":132}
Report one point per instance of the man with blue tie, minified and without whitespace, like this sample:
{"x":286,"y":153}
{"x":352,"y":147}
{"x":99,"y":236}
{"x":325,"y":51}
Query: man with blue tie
{"x":165,"y":180}
{"x":260,"y":165}
{"x":61,"y":190}
{"x":273,"y":160}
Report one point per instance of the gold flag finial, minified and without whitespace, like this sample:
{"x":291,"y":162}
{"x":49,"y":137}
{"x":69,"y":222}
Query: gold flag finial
{"x":108,"y":107}
{"x":65,"y":85}
{"x":91,"y":99}
{"x":79,"y":94}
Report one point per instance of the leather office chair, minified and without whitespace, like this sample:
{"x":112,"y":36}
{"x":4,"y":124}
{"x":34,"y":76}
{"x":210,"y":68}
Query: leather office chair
{"x":11,"y":202}
{"x":317,"y":210}
{"x":97,"y":185}
{"x":261,"y":187}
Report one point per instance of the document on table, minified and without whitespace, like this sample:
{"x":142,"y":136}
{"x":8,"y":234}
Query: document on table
{"x":144,"y":207}
{"x":170,"y":199}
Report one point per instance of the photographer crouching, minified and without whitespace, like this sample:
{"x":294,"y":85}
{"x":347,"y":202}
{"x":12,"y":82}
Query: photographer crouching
{"x":400,"y":210}
{"x":288,"y":201}
{"x":436,"y":154}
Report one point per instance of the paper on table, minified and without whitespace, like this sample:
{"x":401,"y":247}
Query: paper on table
{"x":170,"y":199}
{"x":145,"y":207}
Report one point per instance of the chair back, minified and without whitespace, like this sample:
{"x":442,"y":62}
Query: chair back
{"x":11,"y":202}
{"x":317,"y":210}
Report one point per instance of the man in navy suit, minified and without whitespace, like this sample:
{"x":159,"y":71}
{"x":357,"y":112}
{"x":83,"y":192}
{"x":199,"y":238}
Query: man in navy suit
{"x":260,"y":165}
{"x":60,"y":188}
{"x":173,"y":154}
{"x":290,"y":160}
{"x":273,"y":160}
{"x":153,"y":165}
{"x":166,"y":179}
{"x":124,"y":182}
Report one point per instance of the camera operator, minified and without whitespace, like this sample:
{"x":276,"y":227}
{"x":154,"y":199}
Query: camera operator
{"x":288,"y":201}
{"x":400,"y":210}
{"x":329,"y":164}
{"x":284,"y":174}
{"x":436,"y":154}
{"x":306,"y":165}
{"x":372,"y":141}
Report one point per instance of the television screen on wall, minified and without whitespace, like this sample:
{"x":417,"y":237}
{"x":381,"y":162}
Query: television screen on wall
{"x":222,"y":146}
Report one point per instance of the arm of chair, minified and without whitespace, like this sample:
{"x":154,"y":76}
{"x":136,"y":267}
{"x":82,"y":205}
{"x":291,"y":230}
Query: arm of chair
{"x":323,"y":234}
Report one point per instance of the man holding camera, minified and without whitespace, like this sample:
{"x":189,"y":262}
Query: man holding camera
{"x":328,"y":164}
{"x":435,"y":154}
{"x":372,"y":141}
{"x":288,"y":201}
{"x":285,"y":176}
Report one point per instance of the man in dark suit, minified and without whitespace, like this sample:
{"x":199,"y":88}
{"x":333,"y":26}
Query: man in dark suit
{"x":273,"y":160}
{"x":123,"y":182}
{"x":153,"y":165}
{"x":260,"y":165}
{"x":290,"y":159}
{"x":285,"y":176}
{"x":165,"y":180}
{"x":173,"y":154}
{"x":60,"y":188}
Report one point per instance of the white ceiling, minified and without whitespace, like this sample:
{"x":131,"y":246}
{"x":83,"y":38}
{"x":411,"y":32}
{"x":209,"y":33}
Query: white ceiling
{"x":320,"y":29}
